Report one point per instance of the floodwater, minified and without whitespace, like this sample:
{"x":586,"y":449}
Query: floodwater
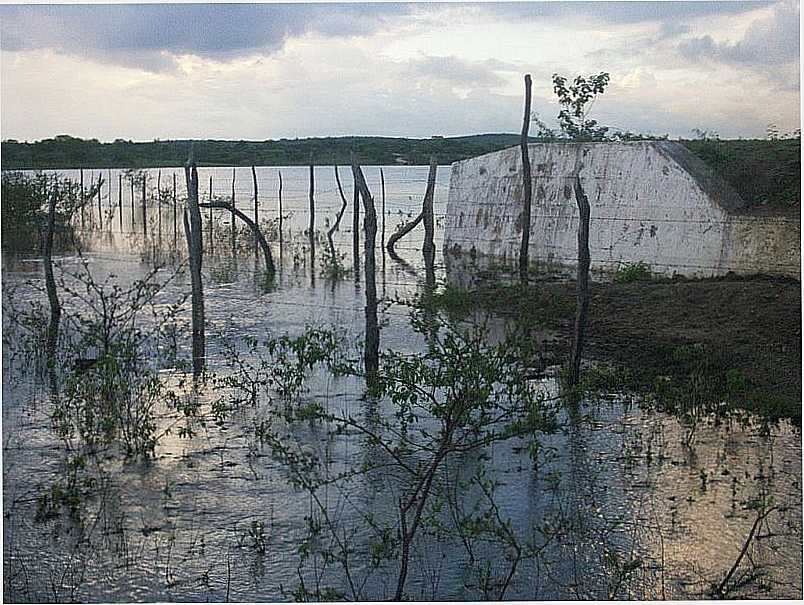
{"x":620,"y":502}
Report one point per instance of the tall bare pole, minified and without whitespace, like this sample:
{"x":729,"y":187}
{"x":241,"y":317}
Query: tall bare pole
{"x":527,"y":185}
{"x":582,"y":283}
{"x":159,"y":200}
{"x":50,"y":282}
{"x":356,"y":226}
{"x":100,"y":200}
{"x":311,"y":229}
{"x":280,"y":212}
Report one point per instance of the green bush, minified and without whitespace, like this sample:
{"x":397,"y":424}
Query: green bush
{"x":633,"y":272}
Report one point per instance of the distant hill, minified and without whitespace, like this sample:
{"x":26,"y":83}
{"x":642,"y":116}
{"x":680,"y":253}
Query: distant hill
{"x":69,"y":152}
{"x":766,"y":173}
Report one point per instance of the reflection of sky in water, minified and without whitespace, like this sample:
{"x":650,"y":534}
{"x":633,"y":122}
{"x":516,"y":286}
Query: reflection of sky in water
{"x":616,"y":482}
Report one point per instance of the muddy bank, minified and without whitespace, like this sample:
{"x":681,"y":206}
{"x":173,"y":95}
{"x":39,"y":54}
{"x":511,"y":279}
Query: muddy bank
{"x":740,"y":336}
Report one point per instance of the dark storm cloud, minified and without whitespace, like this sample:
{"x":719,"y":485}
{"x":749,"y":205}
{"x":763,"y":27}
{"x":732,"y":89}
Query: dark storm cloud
{"x":149,"y":36}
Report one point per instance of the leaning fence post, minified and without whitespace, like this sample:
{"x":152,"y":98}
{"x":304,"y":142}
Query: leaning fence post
{"x":527,"y":185}
{"x":582,"y":283}
{"x":428,"y":201}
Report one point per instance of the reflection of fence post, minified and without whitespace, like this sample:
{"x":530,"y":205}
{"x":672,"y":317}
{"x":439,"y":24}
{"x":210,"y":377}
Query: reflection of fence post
{"x":527,"y":193}
{"x":372,"y":349}
{"x":582,"y":284}
{"x":256,"y":204}
{"x":192,"y":229}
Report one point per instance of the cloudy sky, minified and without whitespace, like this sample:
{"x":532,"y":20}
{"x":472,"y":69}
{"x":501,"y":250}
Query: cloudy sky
{"x":246,"y":71}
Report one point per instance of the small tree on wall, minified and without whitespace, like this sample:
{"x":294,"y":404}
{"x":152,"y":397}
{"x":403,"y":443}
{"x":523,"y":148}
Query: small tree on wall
{"x":576,"y":100}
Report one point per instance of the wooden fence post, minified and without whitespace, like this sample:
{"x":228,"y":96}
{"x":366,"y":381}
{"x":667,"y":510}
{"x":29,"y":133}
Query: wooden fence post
{"x":195,"y":246}
{"x":211,"y":220}
{"x":582,"y":283}
{"x":428,"y":202}
{"x":50,"y":282}
{"x":175,"y":217}
{"x":234,"y":243}
{"x":280,"y":212}
{"x":120,"y":199}
{"x":144,"y":206}
{"x":382,"y":239}
{"x":100,"y":201}
{"x":428,"y":248}
{"x":159,"y":202}
{"x":527,"y":186}
{"x":256,"y":204}
{"x":355,"y":225}
{"x":371,"y":356}
{"x":311,"y":229}
{"x":83,"y":200}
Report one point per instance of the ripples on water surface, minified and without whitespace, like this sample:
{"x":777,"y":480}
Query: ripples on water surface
{"x":616,"y":505}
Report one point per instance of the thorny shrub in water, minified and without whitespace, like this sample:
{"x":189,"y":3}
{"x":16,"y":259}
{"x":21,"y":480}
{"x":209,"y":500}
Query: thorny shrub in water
{"x":459,"y":397}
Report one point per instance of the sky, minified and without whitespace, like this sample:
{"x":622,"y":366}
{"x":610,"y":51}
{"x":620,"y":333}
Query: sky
{"x":269,"y":71}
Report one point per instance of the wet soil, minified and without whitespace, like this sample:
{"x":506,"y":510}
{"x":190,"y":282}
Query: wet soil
{"x":749,"y":326}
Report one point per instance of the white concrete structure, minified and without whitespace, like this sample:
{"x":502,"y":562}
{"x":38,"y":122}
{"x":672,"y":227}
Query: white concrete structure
{"x":652,"y":202}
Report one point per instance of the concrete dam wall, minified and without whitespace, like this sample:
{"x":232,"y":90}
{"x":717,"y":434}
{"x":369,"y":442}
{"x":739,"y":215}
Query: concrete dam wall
{"x":651,"y":202}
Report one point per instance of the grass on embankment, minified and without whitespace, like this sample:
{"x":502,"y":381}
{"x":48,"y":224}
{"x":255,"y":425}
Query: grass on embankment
{"x":725,"y":343}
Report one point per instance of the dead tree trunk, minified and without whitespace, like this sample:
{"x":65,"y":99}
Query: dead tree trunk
{"x":234,"y":242}
{"x":50,"y":282}
{"x":428,"y":201}
{"x":256,"y":203}
{"x":582,"y":284}
{"x":269,"y":260}
{"x":195,"y":245}
{"x":527,"y":186}
{"x":371,"y":355}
